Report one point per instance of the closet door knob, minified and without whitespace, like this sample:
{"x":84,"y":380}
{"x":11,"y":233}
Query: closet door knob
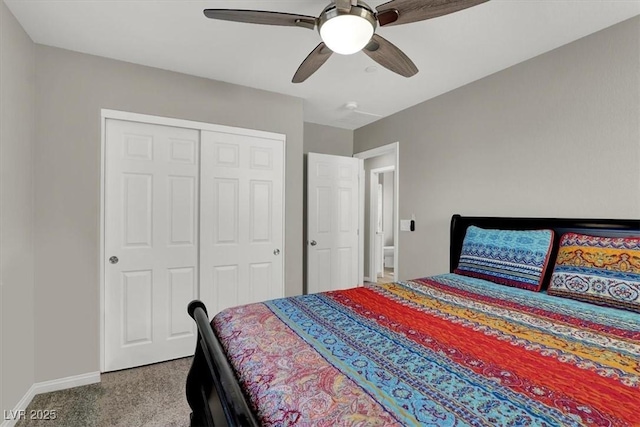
{"x":276,"y":252}
{"x":113,"y":260}
{"x":313,"y":243}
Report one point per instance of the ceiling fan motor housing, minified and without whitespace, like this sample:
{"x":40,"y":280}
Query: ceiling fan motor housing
{"x":356,"y":22}
{"x":362,"y":10}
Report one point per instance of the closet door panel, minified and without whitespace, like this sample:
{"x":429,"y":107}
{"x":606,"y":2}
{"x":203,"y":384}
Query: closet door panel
{"x":241,"y":220}
{"x":151,"y":242}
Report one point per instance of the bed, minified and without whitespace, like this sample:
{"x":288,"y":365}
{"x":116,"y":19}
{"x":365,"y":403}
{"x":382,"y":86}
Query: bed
{"x":454,"y":349}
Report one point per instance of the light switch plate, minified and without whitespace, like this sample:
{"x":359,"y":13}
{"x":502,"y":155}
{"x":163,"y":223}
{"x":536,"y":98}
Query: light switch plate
{"x":405,"y":225}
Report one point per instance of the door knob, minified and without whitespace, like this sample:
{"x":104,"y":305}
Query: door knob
{"x":276,"y":252}
{"x":313,"y":243}
{"x":113,"y":260}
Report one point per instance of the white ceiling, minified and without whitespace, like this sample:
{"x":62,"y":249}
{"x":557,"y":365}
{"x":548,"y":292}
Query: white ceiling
{"x":450,"y":51}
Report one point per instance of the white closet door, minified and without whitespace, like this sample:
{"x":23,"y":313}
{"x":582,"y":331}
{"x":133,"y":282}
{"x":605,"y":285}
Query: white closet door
{"x":151,"y":242}
{"x":241,"y":220}
{"x":333,"y":217}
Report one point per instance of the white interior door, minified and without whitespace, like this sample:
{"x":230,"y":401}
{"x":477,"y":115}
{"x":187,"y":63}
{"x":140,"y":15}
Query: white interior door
{"x":332,"y":222}
{"x":151,"y":242}
{"x":241,"y":220}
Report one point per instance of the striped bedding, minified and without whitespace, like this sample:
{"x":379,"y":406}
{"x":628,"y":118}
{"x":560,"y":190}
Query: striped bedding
{"x":448,"y":350}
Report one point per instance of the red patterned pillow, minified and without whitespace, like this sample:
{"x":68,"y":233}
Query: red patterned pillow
{"x":600,"y":270}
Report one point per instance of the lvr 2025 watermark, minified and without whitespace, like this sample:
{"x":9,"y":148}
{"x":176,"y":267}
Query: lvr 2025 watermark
{"x":34,"y":414}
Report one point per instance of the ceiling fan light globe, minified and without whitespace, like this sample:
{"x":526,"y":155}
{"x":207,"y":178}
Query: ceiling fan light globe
{"x":346,"y":34}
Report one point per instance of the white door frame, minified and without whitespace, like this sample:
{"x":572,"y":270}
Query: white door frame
{"x":166,"y":121}
{"x":373,"y":207}
{"x":394,"y":147}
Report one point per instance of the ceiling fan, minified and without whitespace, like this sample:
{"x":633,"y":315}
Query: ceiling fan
{"x":348,"y":26}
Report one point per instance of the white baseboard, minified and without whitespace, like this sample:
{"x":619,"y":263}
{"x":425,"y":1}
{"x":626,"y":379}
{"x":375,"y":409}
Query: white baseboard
{"x":47,"y":387}
{"x":68,"y":382}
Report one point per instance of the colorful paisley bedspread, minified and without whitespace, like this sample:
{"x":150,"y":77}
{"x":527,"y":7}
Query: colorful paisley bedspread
{"x":441,"y":351}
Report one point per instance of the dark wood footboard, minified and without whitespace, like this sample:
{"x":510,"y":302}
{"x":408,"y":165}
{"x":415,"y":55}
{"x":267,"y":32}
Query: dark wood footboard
{"x":213,"y":392}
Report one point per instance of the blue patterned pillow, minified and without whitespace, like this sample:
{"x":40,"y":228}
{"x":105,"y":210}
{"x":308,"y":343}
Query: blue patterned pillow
{"x":516,"y":258}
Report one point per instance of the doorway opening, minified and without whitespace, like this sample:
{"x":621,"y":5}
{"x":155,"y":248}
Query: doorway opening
{"x":379,"y":214}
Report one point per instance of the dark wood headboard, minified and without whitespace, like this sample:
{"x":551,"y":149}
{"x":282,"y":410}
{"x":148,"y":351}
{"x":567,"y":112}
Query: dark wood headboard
{"x":594,"y":227}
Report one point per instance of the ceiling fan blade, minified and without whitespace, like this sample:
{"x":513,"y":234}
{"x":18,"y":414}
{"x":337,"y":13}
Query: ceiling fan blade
{"x":262,"y":17}
{"x":310,"y":65}
{"x":398,"y":12}
{"x":389,"y":56}
{"x":387,"y":17}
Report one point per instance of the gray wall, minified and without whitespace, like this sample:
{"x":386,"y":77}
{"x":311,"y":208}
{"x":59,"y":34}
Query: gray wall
{"x":71,"y":90}
{"x":17,"y":113}
{"x":322,"y":139}
{"x":558,"y":135}
{"x":327,"y":140}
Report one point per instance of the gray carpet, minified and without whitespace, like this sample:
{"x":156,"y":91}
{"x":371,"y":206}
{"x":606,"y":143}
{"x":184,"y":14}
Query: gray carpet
{"x":149,"y":396}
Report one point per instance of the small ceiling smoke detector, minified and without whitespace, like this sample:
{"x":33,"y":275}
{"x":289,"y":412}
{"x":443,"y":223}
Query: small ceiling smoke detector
{"x":351,"y":105}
